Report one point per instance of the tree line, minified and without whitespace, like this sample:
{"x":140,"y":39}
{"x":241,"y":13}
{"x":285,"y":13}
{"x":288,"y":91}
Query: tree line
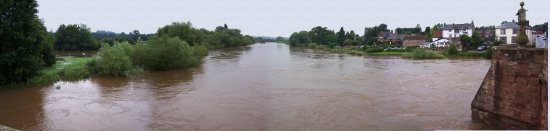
{"x":26,"y":47}
{"x":323,"y":36}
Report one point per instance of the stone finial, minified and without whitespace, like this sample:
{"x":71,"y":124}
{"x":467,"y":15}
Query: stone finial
{"x":521,"y":4}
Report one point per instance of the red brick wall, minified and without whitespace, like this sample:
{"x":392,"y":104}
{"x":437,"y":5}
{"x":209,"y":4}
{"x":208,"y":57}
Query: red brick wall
{"x":408,"y":43}
{"x":513,"y":94}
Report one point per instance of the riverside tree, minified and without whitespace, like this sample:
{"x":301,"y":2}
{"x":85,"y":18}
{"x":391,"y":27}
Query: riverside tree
{"x":322,"y":36}
{"x":25,"y":45}
{"x":74,"y":37}
{"x":341,"y":36}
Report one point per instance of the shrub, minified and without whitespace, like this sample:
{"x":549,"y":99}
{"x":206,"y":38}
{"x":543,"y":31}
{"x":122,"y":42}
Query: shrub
{"x":74,"y":72}
{"x":488,"y":53}
{"x":113,"y":60}
{"x":452,"y":50}
{"x":422,"y":54}
{"x":200,"y":50}
{"x":164,"y":53}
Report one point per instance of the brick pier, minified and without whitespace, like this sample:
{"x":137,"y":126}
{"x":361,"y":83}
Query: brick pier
{"x":513,"y":94}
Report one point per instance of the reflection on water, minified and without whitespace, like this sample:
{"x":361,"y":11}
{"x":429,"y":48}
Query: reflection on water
{"x":261,"y":87}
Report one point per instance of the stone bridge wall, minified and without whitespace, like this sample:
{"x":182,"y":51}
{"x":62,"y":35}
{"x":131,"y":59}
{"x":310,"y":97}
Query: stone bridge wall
{"x":513,"y":94}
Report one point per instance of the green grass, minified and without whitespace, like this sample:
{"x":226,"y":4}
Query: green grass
{"x":334,"y":50}
{"x":69,"y":69}
{"x":387,"y":53}
{"x":423,"y":54}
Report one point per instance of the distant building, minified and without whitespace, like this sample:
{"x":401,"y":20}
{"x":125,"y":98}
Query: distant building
{"x":414,"y":40}
{"x":457,"y":30}
{"x":437,"y":33}
{"x":507,"y":32}
{"x":541,"y":42}
{"x":537,"y":34}
{"x":389,"y":37}
{"x":488,"y":34}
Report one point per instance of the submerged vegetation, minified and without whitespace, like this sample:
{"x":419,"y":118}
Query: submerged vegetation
{"x":69,"y":69}
{"x":423,"y":54}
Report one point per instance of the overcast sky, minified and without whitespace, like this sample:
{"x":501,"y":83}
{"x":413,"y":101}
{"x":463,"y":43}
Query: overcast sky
{"x":282,"y":17}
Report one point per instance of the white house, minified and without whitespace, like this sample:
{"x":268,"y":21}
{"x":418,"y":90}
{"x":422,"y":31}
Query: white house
{"x":457,"y":30}
{"x":508,"y":31}
{"x":441,"y":43}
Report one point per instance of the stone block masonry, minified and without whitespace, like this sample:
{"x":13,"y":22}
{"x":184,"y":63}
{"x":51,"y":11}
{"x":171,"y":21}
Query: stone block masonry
{"x":513,"y":94}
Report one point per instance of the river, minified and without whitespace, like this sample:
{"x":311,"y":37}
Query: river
{"x":261,"y":87}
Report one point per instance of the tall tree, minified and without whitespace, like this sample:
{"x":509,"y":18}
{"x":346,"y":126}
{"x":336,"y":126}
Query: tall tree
{"x":299,"y":38}
{"x":323,"y":36}
{"x":465,"y":41}
{"x":74,"y":37}
{"x":341,"y":36}
{"x":428,"y":32}
{"x":351,"y":35}
{"x":25,"y":45}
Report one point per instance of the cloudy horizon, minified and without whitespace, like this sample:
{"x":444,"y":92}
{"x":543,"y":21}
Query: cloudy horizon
{"x":282,"y":17}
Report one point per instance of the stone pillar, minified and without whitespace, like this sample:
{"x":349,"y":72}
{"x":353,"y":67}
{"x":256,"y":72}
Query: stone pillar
{"x":522,"y":39}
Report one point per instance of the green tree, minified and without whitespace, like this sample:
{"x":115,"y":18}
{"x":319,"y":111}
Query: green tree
{"x":184,"y":31}
{"x":341,"y":36}
{"x":25,"y":45}
{"x":299,"y":38}
{"x":465,"y":41}
{"x":323,"y":36}
{"x":351,"y":35}
{"x":281,"y":39}
{"x":164,"y":53}
{"x":476,"y":40}
{"x":74,"y":37}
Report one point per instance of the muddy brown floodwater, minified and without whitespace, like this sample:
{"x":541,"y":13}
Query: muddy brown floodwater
{"x":261,"y":87}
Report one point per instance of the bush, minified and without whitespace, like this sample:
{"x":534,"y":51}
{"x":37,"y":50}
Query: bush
{"x":113,"y":60}
{"x":200,"y":51}
{"x":488,"y":53}
{"x":422,"y":54}
{"x":452,"y":50}
{"x":74,"y":72}
{"x":164,"y":53}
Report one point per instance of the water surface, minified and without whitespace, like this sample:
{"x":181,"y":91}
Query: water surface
{"x":261,"y":87}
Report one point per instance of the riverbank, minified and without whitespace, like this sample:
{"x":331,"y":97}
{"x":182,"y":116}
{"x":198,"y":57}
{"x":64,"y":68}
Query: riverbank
{"x":67,"y":69}
{"x":411,"y":53}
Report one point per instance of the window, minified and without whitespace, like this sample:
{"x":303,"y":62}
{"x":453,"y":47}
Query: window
{"x":456,"y":31}
{"x":502,"y":31}
{"x":513,"y":39}
{"x":515,"y":31}
{"x":503,"y":39}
